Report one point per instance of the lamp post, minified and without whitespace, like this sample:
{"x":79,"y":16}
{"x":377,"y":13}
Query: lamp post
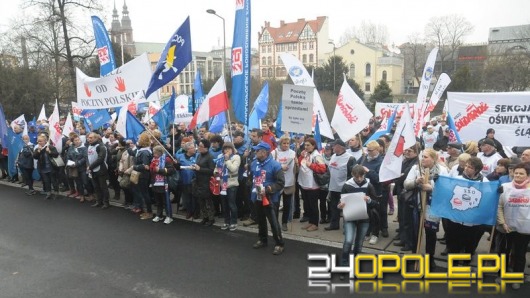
{"x":211,"y":11}
{"x":334,"y":57}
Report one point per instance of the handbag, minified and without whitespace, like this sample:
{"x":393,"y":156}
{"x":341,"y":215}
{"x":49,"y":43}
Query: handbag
{"x":322,"y":179}
{"x":215,"y":186}
{"x":73,"y":172}
{"x":135,"y":177}
{"x":173,"y":181}
{"x":125,"y":181}
{"x":57,"y":161}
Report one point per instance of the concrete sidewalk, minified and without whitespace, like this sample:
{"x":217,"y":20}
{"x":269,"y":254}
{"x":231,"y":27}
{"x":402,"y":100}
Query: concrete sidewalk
{"x":329,"y":238}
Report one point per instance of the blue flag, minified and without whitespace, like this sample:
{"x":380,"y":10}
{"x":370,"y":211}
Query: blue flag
{"x":279,"y":131}
{"x":193,"y":106}
{"x":218,"y":122}
{"x":384,"y":129}
{"x":166,"y":115}
{"x":3,"y":127}
{"x":466,"y":201}
{"x":14,"y":145}
{"x":134,"y":127}
{"x":174,"y":58}
{"x":260,"y":107}
{"x":241,"y":61}
{"x":318,"y":137}
{"x":103,"y":47}
{"x":98,"y":118}
{"x":454,"y":136}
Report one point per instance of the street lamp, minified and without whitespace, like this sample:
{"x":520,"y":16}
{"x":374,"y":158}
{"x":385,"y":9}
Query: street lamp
{"x":211,"y":11}
{"x":334,"y":57}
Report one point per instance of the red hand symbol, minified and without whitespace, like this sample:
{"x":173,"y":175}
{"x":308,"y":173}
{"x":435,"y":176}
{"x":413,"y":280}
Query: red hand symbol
{"x":120,"y":84}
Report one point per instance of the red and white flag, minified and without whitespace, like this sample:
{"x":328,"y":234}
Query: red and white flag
{"x":55,"y":129}
{"x":403,"y":138}
{"x":443,"y":81}
{"x":351,"y":115}
{"x":215,"y":102}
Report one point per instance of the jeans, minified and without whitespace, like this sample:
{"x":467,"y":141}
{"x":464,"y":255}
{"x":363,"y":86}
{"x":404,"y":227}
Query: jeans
{"x":28,"y":177}
{"x":162,"y":203}
{"x":100,"y":187}
{"x":265,"y":213}
{"x":46,"y":181}
{"x":141,"y":195}
{"x":310,"y":197}
{"x":288,"y":206}
{"x":354,"y":232}
{"x":229,"y":205}
{"x":335,"y":212}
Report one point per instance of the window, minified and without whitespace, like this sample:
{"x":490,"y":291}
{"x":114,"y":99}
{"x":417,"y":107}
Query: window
{"x":263,"y":49}
{"x":269,"y":60}
{"x":295,"y":46}
{"x":283,"y":72}
{"x":264,"y":60}
{"x":269,"y":48}
{"x":384,"y":75}
{"x":352,"y":70}
{"x":279,"y":60}
{"x":304,"y":58}
{"x":311,"y":45}
{"x":367,"y":87}
{"x":264,"y":73}
{"x":278,"y":71}
{"x":270,"y":72}
{"x":368,"y":69}
{"x":266,"y":37}
{"x":304,"y":45}
{"x":311,"y":58}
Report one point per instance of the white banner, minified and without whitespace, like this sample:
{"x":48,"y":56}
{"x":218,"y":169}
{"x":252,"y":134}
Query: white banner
{"x":428,"y":72}
{"x":443,"y":81}
{"x":506,"y":112}
{"x":117,"y":88}
{"x":301,"y":77}
{"x":385,"y":110}
{"x":181,"y":109}
{"x":297,"y":103}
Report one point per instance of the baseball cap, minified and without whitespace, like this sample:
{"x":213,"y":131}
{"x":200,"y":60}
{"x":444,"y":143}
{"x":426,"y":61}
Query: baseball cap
{"x":262,"y":145}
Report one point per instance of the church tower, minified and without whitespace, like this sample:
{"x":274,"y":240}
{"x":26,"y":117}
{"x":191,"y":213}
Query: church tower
{"x":115,"y":29}
{"x":127,"y":31}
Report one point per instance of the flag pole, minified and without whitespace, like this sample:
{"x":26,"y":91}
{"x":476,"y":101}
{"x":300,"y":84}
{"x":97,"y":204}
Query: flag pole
{"x":423,"y":196}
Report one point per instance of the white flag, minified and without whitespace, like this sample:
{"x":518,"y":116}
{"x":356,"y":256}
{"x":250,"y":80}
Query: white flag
{"x":121,"y":123}
{"x":351,"y":115}
{"x":42,"y":114}
{"x":55,"y":129}
{"x":20,"y":121}
{"x":300,"y":76}
{"x":403,"y":138}
{"x":425,"y":84}
{"x":443,"y":81}
{"x":68,"y":125}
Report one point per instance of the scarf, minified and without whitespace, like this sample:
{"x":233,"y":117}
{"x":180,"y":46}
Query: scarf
{"x":259,"y":174}
{"x":158,"y":164}
{"x":522,"y":185}
{"x":224,"y":174}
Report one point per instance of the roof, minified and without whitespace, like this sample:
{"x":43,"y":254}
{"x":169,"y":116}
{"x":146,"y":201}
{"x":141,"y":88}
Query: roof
{"x":509,"y":33}
{"x":289,"y":32}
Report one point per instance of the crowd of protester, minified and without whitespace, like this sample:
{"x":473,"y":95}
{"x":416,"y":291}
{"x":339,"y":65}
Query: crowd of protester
{"x":251,"y":179}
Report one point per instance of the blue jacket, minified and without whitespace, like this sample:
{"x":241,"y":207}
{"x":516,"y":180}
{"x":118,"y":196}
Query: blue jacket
{"x":186,"y":175}
{"x":25,"y":157}
{"x":273,"y":175}
{"x":373,"y":174}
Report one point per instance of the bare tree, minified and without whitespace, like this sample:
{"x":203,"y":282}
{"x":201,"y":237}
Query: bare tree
{"x":373,"y":33}
{"x":447,"y":33}
{"x":349,"y":34}
{"x":414,"y":54}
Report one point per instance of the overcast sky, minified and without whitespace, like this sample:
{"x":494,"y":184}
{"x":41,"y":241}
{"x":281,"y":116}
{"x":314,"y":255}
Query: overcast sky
{"x":156,"y":20}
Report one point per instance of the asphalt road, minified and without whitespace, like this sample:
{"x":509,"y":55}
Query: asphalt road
{"x":62,"y":248}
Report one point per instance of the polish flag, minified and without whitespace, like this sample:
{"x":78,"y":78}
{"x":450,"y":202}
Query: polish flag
{"x":215,"y":102}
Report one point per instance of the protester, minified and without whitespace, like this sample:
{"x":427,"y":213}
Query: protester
{"x":311,"y":162}
{"x":26,"y":165}
{"x":227,"y":170}
{"x":267,"y":183}
{"x":43,"y":153}
{"x":187,"y":175}
{"x":160,"y":168}
{"x":287,"y":159}
{"x":490,"y":135}
{"x":513,"y":218}
{"x":204,"y":168}
{"x":142,"y":159}
{"x":354,"y":230}
{"x":98,"y":171}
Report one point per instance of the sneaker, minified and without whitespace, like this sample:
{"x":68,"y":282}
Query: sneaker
{"x":232,"y":227}
{"x":366,"y":238}
{"x":249,"y":222}
{"x":284,"y":227}
{"x":373,"y":240}
{"x":168,"y":220}
{"x":146,"y":215}
{"x":157,"y":219}
{"x":278,"y":250}
{"x":259,"y":244}
{"x":31,"y":192}
{"x":224,"y":227}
